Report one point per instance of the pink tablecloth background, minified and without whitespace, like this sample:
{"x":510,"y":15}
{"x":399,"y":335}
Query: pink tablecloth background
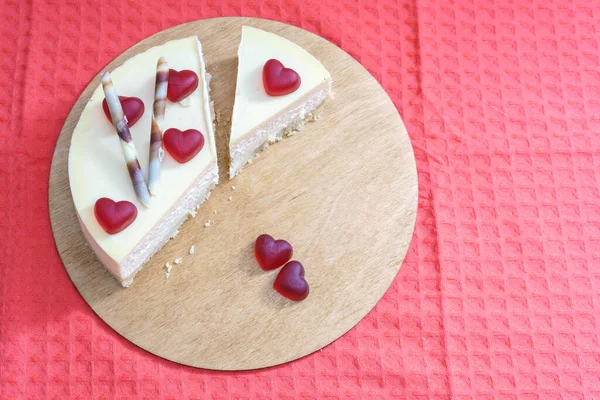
{"x":499,"y":295}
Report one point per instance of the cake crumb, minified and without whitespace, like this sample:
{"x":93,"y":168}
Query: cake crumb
{"x":214,"y":212}
{"x":178,"y":260}
{"x":229,"y":198}
{"x":232,"y":187}
{"x":250,"y":161}
{"x":207,"y":224}
{"x":168,"y":267}
{"x":193,"y":213}
{"x":174,"y":234}
{"x":213,"y":116}
{"x":192,"y":250}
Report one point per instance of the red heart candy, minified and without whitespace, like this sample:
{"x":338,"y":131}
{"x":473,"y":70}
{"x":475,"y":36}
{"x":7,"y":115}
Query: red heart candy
{"x":183,"y":146}
{"x":114,"y":217}
{"x":132,"y":107}
{"x":279,"y":81}
{"x":181,"y":84}
{"x":290,"y":281}
{"x":271,"y":253}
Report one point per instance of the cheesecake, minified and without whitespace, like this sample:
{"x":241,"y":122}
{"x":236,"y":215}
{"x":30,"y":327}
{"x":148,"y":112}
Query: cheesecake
{"x":279,"y":87}
{"x":126,"y":224}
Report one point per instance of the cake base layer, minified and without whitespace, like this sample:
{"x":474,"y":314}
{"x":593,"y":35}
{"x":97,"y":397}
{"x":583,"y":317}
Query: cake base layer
{"x":286,"y":123}
{"x":125,"y":270}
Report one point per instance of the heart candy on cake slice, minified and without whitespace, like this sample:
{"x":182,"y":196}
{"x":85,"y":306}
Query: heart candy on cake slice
{"x":278,"y":80}
{"x":183,"y":145}
{"x":132,"y":107}
{"x":181,"y":84}
{"x":113,"y":216}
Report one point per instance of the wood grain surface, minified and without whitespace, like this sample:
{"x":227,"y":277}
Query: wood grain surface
{"x":343,"y":192}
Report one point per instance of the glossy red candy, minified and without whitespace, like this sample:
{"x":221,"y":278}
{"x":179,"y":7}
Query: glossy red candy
{"x":113,"y":217}
{"x":183,"y":146}
{"x":290,"y":282}
{"x":271,"y":253}
{"x":181,"y":84}
{"x":132,"y":107}
{"x":278,"y":80}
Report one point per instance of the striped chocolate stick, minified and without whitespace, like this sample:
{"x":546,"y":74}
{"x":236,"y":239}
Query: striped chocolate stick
{"x":156,"y":129}
{"x":120,"y":123}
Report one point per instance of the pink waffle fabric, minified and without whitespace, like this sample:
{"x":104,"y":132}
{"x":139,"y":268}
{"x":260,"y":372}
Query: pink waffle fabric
{"x":499,"y":295}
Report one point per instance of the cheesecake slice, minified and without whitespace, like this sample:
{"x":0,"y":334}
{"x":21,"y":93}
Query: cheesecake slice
{"x":260,"y":118}
{"x":97,"y":168}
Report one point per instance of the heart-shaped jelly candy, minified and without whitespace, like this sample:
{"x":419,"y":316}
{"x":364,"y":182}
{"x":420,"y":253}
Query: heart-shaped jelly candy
{"x":278,"y":80}
{"x":181,"y":84}
{"x":113,"y":217}
{"x":183,"y":146}
{"x":290,"y":282}
{"x":132,"y":107}
{"x":271,"y":253}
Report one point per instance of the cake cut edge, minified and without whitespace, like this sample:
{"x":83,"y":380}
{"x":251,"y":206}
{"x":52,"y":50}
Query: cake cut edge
{"x":285,"y":123}
{"x":125,"y":270}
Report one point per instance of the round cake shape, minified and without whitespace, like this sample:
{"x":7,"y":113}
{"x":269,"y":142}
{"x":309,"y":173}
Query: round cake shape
{"x":97,"y":168}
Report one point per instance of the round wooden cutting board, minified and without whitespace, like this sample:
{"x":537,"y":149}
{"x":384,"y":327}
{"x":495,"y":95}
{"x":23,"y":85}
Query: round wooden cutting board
{"x":343,"y":192}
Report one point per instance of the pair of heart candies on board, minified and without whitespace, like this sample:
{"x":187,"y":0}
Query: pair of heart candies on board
{"x":272,"y":254}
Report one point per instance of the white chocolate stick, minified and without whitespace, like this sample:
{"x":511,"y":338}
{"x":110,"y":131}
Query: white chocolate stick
{"x":156,"y":128}
{"x":119,"y":121}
